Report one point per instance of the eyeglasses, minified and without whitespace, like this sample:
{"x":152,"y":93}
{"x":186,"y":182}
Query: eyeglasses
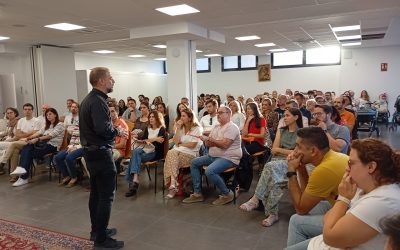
{"x":317,"y":114}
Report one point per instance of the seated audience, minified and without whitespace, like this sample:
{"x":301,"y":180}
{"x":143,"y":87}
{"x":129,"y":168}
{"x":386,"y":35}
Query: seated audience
{"x":363,"y":101}
{"x":329,"y":98}
{"x":131,"y":114}
{"x":347,"y":117}
{"x":141,"y":122}
{"x":292,"y":104}
{"x":254,"y":129}
{"x":320,"y":100}
{"x":281,"y":105}
{"x":338,"y":136}
{"x":224,"y":152}
{"x":208,"y":121}
{"x":119,"y":147}
{"x":301,"y":102}
{"x":269,"y":114}
{"x":187,"y":145}
{"x":272,"y":182}
{"x":179,"y":108}
{"x":237,"y":116}
{"x":8,"y":135}
{"x":382,"y":104}
{"x":185,"y":101}
{"x":369,"y":191}
{"x":72,"y":119}
{"x":161,"y":108}
{"x":312,"y":194}
{"x":121,"y":107}
{"x":155,"y":134}
{"x":66,"y":159}
{"x":52,"y":133}
{"x":26,"y":127}
{"x":67,"y":111}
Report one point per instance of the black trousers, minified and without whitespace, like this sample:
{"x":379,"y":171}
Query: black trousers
{"x":254,"y":147}
{"x":102,"y":171}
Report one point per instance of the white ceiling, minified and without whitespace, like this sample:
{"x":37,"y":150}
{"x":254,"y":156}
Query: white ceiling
{"x":287,"y":23}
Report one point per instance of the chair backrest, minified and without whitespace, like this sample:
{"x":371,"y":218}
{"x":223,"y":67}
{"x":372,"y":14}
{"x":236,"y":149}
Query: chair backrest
{"x":166,"y":144}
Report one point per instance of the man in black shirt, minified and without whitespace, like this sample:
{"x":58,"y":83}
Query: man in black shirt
{"x":97,"y":138}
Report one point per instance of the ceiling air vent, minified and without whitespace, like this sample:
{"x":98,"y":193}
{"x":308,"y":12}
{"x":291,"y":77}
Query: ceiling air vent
{"x":87,"y":31}
{"x":373,"y":36}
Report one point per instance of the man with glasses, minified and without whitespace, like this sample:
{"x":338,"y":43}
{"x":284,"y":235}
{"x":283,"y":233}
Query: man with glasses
{"x":339,"y":136}
{"x":209,"y":121}
{"x":26,"y":127}
{"x":72,"y":120}
{"x":224,"y":152}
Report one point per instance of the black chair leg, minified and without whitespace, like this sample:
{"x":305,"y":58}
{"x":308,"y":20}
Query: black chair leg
{"x":155,"y":178}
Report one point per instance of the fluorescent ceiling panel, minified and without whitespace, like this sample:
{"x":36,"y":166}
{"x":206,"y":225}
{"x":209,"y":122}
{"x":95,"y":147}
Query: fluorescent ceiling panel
{"x":277,"y":50}
{"x":247,"y":38}
{"x":160,"y":46}
{"x":64,"y":26}
{"x":136,"y":56}
{"x":160,"y":59}
{"x":4,"y":38}
{"x":351,"y":44}
{"x":104,"y":51}
{"x":198,"y":51}
{"x":346,"y":28}
{"x":260,"y":45}
{"x":342,"y":38}
{"x":212,"y":55}
{"x":177,"y":10}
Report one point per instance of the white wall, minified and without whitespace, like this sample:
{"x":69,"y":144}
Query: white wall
{"x":19,"y":65}
{"x":360,"y":72}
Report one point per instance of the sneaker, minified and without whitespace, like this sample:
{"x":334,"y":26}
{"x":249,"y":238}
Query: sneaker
{"x":193,"y":199}
{"x":109,"y":232}
{"x":133,"y":187}
{"x":224,"y":199}
{"x":20,"y":182}
{"x":18,"y":171}
{"x":109,"y":243}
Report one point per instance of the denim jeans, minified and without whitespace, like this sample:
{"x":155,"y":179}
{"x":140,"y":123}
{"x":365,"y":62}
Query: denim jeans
{"x":102,"y":188}
{"x":66,"y":161}
{"x":216,"y":165}
{"x":304,"y":227}
{"x":138,"y":156}
{"x":28,"y":153}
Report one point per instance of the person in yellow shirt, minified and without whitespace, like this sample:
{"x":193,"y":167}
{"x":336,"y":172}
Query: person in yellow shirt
{"x":312,"y":195}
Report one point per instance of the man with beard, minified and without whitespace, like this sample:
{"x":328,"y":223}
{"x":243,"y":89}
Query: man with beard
{"x":346,"y":116}
{"x":97,"y":136}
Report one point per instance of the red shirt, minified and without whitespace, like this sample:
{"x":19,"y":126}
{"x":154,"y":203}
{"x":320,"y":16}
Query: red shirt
{"x":253,"y":130}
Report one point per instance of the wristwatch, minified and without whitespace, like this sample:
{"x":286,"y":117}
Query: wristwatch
{"x":290,"y":174}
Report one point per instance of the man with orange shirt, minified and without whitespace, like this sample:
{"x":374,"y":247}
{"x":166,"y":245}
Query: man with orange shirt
{"x":120,"y":141}
{"x":347,"y":117}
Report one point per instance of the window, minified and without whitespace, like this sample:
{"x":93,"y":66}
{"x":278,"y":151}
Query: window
{"x":203,"y":65}
{"x":306,"y":58}
{"x":243,"y":62}
{"x":329,"y":55}
{"x":288,"y":58}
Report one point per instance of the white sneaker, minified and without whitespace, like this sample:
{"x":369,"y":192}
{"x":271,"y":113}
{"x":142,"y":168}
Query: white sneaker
{"x":18,"y":171}
{"x":20,"y":182}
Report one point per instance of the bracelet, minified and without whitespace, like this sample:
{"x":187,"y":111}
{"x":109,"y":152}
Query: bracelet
{"x":344,"y":199}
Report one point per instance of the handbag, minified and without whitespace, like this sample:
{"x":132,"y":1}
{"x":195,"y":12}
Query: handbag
{"x":40,"y":144}
{"x":147,"y":147}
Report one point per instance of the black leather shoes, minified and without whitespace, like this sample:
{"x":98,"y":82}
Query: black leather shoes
{"x":109,"y":233}
{"x":109,"y":243}
{"x":133,"y":187}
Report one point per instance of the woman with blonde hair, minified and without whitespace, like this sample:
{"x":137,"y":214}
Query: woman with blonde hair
{"x":187,"y":132}
{"x":237,"y":116}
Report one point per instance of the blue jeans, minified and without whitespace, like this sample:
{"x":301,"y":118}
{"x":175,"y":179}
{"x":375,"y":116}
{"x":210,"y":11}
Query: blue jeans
{"x":216,"y":165}
{"x":304,"y":227}
{"x":66,"y":161}
{"x":138,"y":156}
{"x":28,"y":153}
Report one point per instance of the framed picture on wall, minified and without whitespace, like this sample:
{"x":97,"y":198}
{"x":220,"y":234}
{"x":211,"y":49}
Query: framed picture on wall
{"x":264,"y":72}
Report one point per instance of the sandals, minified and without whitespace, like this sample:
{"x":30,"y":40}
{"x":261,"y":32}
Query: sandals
{"x":171,"y":192}
{"x":249,"y":206}
{"x":65,"y":181}
{"x":270,"y":220}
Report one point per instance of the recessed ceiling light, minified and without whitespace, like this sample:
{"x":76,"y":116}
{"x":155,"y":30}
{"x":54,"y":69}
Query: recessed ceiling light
{"x":351,"y":44}
{"x":4,"y":38}
{"x":198,"y":51}
{"x":212,"y":55}
{"x":160,"y":46}
{"x":104,"y":51}
{"x":178,"y":10}
{"x":346,"y":28}
{"x":160,"y":59}
{"x":277,"y":50}
{"x":247,"y":38}
{"x":136,"y":56}
{"x":341,"y":38}
{"x":64,"y":26}
{"x":265,"y":45}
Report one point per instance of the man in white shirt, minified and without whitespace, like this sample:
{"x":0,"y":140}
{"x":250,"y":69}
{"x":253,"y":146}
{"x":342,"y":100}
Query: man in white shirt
{"x":224,"y":152}
{"x":72,"y":120}
{"x":208,"y":121}
{"x":41,"y":118}
{"x":26,"y":127}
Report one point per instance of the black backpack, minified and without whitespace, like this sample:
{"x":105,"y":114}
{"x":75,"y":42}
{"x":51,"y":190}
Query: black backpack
{"x":244,"y":172}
